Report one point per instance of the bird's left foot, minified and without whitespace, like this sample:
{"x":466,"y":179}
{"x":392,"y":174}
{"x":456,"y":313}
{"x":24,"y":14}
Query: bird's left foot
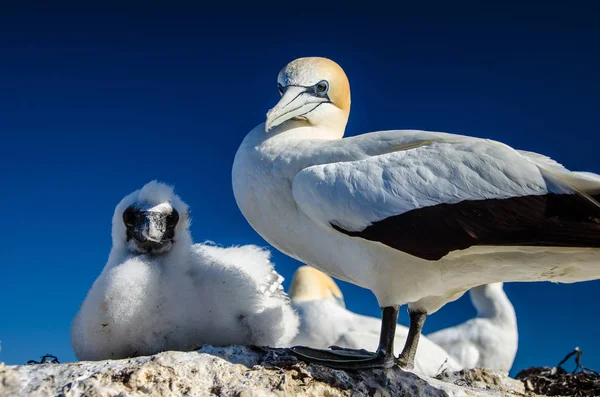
{"x":341,"y":358}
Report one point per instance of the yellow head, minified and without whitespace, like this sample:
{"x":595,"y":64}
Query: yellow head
{"x":310,"y":284}
{"x":314,"y":90}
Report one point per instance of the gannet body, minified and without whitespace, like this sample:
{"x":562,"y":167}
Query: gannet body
{"x":417,"y":217}
{"x":158,"y":291}
{"x":489,"y":340}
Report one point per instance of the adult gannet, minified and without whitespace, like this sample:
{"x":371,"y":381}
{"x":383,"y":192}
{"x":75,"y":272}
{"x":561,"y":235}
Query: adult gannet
{"x":489,"y":340}
{"x":160,"y":292}
{"x":416,"y":217}
{"x":325,"y":321}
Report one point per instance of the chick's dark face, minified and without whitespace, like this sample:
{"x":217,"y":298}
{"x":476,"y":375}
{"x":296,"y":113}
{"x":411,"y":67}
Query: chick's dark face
{"x":150,"y":231}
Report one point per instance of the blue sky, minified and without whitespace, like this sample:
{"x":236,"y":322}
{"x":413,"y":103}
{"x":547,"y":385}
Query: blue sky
{"x":95,"y":103}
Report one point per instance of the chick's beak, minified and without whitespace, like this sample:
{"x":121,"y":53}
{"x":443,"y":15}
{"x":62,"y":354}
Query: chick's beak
{"x":149,"y":227}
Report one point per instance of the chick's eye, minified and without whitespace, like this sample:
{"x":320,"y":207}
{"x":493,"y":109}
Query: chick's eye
{"x":322,"y":87}
{"x":280,"y":88}
{"x":173,"y":218}
{"x":129,"y":217}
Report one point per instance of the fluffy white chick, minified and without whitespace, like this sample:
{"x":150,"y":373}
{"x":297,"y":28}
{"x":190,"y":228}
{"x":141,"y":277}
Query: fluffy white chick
{"x":159,"y":291}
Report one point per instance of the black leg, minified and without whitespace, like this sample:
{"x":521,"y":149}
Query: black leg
{"x":342,"y":358}
{"x":407,"y":357}
{"x":389,"y":320}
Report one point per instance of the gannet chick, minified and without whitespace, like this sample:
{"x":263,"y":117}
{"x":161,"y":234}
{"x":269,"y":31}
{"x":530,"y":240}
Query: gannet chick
{"x":416,"y":217}
{"x":489,"y":340}
{"x":158,"y":291}
{"x":325,"y":322}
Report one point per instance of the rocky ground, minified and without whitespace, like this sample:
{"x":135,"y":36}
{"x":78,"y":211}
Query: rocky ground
{"x":241,"y":372}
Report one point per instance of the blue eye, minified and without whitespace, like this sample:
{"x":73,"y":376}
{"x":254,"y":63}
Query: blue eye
{"x":322,"y":87}
{"x":280,"y":88}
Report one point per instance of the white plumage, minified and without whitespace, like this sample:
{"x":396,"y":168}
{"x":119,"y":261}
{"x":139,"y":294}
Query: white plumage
{"x":489,"y":340}
{"x":324,"y":321}
{"x":159,"y":291}
{"x":446,"y":169}
{"x":417,"y":217}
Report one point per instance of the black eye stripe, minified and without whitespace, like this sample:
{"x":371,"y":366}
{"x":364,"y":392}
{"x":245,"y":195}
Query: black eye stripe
{"x":321,"y":89}
{"x":131,"y":214}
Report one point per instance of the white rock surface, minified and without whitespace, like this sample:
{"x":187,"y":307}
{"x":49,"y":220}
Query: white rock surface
{"x":236,"y":371}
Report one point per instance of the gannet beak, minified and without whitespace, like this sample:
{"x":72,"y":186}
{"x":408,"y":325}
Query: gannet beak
{"x":295,"y":102}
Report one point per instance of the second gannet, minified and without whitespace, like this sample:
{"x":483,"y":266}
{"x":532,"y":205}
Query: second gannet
{"x":489,"y":340}
{"x":417,"y":217}
{"x":158,"y":291}
{"x":325,"y":322}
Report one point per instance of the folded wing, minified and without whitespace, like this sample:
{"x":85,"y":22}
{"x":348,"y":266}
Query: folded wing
{"x":435,"y":196}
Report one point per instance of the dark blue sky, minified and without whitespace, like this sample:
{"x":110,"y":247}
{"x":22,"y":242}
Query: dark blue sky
{"x":95,"y":103}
